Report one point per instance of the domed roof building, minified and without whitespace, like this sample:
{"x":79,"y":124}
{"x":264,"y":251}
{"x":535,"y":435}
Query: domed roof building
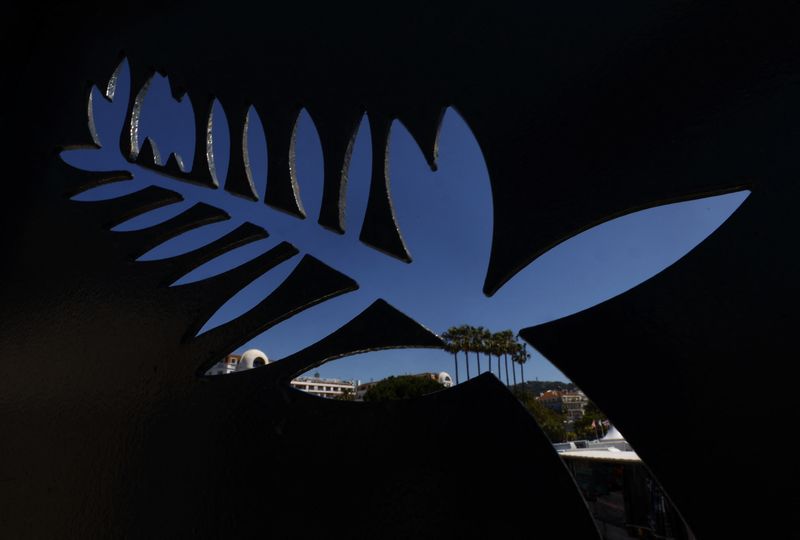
{"x":252,"y":358}
{"x":239,"y":362}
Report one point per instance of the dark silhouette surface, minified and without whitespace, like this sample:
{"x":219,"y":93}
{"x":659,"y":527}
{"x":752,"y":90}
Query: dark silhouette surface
{"x":584,"y":111}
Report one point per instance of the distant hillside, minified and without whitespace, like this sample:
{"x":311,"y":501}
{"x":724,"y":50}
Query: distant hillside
{"x":537,"y":387}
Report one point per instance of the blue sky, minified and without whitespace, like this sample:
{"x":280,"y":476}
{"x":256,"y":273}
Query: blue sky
{"x":445,"y":218}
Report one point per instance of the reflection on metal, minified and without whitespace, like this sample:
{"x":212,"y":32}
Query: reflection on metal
{"x":623,"y":496}
{"x":584,"y":111}
{"x":380,"y":225}
{"x":337,"y":127}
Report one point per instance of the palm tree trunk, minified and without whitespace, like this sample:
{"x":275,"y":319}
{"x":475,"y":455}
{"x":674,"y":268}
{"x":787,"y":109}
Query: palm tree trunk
{"x":490,"y":362}
{"x":479,"y":362}
{"x":506,"y":358}
{"x":455,"y":361}
{"x":514,"y":373}
{"x":466,"y":362}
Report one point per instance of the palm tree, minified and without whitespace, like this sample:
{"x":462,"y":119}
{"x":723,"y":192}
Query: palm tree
{"x":505,"y":341}
{"x":514,"y":359}
{"x":462,"y":342}
{"x":451,"y":345}
{"x":487,"y":348}
{"x":523,"y":356}
{"x":479,"y":338}
{"x":519,"y":356}
{"x":506,"y":347}
{"x":499,"y":347}
{"x":495,"y":350}
{"x":473,"y":346}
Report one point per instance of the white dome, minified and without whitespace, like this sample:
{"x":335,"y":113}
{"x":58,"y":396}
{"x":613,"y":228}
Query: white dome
{"x":252,"y":358}
{"x":445,"y":379}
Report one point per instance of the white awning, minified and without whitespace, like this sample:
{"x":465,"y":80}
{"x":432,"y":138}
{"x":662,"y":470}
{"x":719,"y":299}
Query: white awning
{"x":613,"y":434}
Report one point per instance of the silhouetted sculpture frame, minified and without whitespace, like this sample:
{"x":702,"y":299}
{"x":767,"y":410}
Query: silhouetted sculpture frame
{"x":584,"y":112}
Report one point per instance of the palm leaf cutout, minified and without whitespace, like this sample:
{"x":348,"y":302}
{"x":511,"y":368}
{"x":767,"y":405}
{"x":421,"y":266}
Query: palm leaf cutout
{"x":309,"y":283}
{"x":430,"y":277}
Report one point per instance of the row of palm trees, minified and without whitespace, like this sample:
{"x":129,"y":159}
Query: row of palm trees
{"x":478,"y":340}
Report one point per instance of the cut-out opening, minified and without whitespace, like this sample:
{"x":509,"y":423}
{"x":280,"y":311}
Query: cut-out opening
{"x":390,"y":388}
{"x":219,"y":143}
{"x":250,"y":295}
{"x":307,"y":157}
{"x":358,"y":173}
{"x":90,"y":112}
{"x":188,"y":241}
{"x":152,"y":218}
{"x":233,"y":363}
{"x":114,"y":81}
{"x":255,"y":144}
{"x":355,"y":377}
{"x":623,"y":496}
{"x":110,"y":190}
{"x":614,"y":257}
{"x":446,"y":219}
{"x":167,"y":121}
{"x":225,"y":262}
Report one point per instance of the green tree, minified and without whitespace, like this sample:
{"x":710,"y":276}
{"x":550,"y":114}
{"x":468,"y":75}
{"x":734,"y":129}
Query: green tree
{"x":583,"y":426}
{"x":346,"y":395}
{"x":551,"y":422}
{"x":402,"y":387}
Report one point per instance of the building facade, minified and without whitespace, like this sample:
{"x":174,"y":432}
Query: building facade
{"x":320,"y":387}
{"x":326,"y":388}
{"x":572,"y":404}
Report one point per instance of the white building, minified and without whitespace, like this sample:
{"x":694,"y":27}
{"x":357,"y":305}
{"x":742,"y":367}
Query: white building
{"x":321,"y":387}
{"x":254,"y":358}
{"x":239,"y":362}
{"x":327,"y":388}
{"x":572,"y":404}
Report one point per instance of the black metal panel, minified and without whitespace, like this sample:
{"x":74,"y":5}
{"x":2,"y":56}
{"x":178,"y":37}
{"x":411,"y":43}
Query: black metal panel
{"x":239,"y":179}
{"x":380,"y":229}
{"x":212,"y":293}
{"x":198,"y":215}
{"x":119,"y":210}
{"x":337,"y":125}
{"x":282,"y":192}
{"x":183,"y":264}
{"x":378,"y":327}
{"x":310,"y":283}
{"x":584,"y":111}
{"x":682,"y":363}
